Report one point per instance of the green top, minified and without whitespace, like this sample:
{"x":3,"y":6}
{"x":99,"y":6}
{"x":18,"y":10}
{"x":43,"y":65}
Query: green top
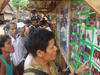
{"x":35,"y":65}
{"x":9,"y":68}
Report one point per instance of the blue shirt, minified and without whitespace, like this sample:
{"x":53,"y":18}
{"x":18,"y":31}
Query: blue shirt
{"x":9,"y":68}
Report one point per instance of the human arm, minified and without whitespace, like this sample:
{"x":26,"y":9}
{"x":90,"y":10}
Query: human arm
{"x":2,"y":69}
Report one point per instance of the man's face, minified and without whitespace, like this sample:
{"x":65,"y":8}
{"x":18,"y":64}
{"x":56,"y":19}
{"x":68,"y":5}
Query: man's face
{"x":21,"y":31}
{"x":50,"y":53}
{"x":13,"y":30}
{"x":8,"y":47}
{"x":33,"y":22}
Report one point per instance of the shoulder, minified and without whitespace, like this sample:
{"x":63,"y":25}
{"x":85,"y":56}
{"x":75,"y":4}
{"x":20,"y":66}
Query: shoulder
{"x":52,"y":64}
{"x":28,"y":61}
{"x":29,"y":73}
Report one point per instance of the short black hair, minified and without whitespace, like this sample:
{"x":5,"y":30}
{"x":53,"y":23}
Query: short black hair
{"x":43,"y":22}
{"x":38,"y":39}
{"x":3,"y":39}
{"x":8,"y":25}
{"x":28,"y":21}
{"x":13,"y":18}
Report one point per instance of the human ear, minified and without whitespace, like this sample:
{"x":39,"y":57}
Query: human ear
{"x":39,"y":53}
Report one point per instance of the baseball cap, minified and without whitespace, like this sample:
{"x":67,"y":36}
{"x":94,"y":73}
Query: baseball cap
{"x":20,"y":25}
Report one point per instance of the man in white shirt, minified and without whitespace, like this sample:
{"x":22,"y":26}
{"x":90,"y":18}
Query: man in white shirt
{"x":17,"y":57}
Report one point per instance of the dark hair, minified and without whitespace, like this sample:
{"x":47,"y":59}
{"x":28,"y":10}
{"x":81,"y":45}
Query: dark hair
{"x":38,"y":40}
{"x":3,"y":39}
{"x":28,"y":21}
{"x":13,"y":18}
{"x":8,"y":25}
{"x":43,"y":22}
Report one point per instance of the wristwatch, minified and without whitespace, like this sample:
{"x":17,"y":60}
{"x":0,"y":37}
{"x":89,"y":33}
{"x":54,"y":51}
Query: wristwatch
{"x":75,"y":73}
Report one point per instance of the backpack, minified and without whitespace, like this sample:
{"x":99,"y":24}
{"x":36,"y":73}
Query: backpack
{"x":35,"y":71}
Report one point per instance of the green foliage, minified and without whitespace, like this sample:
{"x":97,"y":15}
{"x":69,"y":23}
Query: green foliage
{"x":18,"y":3}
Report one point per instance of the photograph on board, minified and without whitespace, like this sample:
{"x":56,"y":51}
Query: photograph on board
{"x":82,"y":33}
{"x":82,"y":59}
{"x":97,"y":37}
{"x":76,"y":28}
{"x":75,"y":38}
{"x":96,"y":56}
{"x":92,"y":20}
{"x":98,"y":21}
{"x":94,"y":70}
{"x":85,"y":49}
{"x":63,"y":33}
{"x":89,"y":36}
{"x":74,"y":59}
{"x":75,"y":48}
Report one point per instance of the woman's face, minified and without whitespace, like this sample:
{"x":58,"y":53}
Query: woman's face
{"x":8,"y":47}
{"x":21,"y":31}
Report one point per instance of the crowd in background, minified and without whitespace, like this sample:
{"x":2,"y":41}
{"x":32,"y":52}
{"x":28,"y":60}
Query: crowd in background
{"x":18,"y":32}
{"x":28,"y":47}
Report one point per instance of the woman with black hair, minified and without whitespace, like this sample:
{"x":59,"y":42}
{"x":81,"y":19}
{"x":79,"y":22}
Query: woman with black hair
{"x":6,"y":66}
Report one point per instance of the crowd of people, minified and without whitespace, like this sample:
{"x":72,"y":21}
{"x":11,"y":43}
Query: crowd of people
{"x":28,"y":47}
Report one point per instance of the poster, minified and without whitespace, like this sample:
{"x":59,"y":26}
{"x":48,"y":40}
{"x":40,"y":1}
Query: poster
{"x":85,"y":49}
{"x":76,"y":28}
{"x":64,"y":33}
{"x":74,"y":60}
{"x":86,"y":22}
{"x":82,"y":59}
{"x":94,"y":70}
{"x":82,"y":33}
{"x":98,"y":21}
{"x":92,"y":20}
{"x":83,"y":20}
{"x":89,"y":36}
{"x":75,"y":48}
{"x":97,"y":37}
{"x":96,"y":56}
{"x":75,"y":38}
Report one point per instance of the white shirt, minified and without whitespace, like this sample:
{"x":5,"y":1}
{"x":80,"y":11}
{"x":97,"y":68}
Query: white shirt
{"x":20,"y":51}
{"x":48,"y":28}
{"x":28,"y":60}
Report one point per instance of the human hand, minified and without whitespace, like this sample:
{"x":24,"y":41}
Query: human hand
{"x":82,"y":68}
{"x":66,"y":69}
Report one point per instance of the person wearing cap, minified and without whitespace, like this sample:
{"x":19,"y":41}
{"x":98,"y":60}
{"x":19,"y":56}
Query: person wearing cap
{"x":18,"y":56}
{"x":21,"y":31}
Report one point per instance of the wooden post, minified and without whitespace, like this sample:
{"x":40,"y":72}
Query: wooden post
{"x":70,"y":32}
{"x":17,"y":13}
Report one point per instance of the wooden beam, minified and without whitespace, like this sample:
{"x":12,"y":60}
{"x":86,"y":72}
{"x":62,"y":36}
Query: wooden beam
{"x":36,"y":4}
{"x":45,"y":0}
{"x":3,"y":5}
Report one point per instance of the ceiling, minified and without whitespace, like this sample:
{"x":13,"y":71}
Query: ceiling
{"x":42,"y":5}
{"x":3,"y":3}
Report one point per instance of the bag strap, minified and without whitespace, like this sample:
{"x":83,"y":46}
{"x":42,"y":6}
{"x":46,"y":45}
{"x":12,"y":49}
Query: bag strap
{"x":35,"y":71}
